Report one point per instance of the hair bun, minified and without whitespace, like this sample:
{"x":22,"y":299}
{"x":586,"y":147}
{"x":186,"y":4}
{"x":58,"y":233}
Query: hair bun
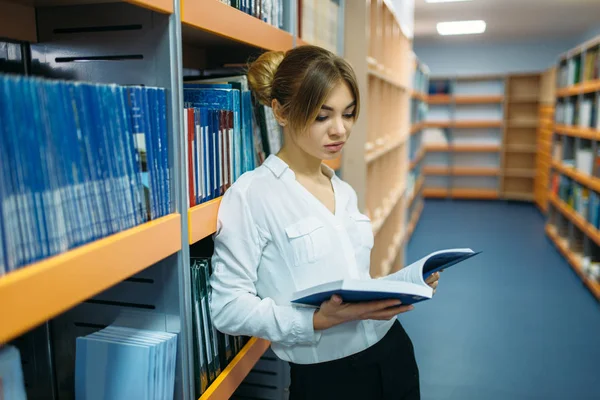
{"x":261,"y":74}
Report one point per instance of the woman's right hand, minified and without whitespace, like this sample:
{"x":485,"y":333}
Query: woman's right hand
{"x":334,"y":312}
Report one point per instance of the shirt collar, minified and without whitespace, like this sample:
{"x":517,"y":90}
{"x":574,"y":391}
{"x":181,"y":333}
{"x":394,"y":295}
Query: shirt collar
{"x":278,"y":167}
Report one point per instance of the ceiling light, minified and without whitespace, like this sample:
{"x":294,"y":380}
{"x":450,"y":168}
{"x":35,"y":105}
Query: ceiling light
{"x":461,"y":27}
{"x":444,"y":1}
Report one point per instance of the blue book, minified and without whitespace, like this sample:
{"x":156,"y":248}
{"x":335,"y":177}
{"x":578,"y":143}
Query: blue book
{"x":411,"y":289}
{"x":12,"y":384}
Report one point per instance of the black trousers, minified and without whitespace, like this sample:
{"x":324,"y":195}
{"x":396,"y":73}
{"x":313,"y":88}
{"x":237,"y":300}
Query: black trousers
{"x":386,"y":370}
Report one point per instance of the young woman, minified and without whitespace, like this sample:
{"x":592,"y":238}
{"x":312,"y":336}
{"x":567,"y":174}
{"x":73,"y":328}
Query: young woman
{"x":290,"y":224}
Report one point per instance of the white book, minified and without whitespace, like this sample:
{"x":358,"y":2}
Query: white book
{"x":412,"y":289}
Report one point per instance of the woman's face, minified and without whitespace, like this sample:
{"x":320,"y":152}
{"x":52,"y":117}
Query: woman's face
{"x":329,"y":132}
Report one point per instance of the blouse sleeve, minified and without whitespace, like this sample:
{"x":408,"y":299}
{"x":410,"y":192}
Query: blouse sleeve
{"x":236,"y":309}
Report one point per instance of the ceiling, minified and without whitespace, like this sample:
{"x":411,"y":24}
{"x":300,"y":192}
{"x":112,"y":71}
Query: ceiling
{"x":508,"y":20}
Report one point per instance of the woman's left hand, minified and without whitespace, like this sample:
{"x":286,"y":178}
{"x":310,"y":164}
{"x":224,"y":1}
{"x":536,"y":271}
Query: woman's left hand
{"x":432,"y":281}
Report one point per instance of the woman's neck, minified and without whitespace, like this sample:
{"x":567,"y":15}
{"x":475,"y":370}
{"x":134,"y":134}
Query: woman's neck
{"x":300,"y":162}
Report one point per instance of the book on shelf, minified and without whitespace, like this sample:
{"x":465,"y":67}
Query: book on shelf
{"x":213,"y":350}
{"x":412,"y":290}
{"x":78,"y":162}
{"x":12,"y":384}
{"x":269,"y":11}
{"x":125,"y":363}
{"x":228,"y":134}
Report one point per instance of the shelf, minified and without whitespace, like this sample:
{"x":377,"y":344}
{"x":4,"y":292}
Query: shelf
{"x":439,"y":99}
{"x":50,"y":287}
{"x":475,"y":171}
{"x":383,"y":149}
{"x":419,"y":95}
{"x":478,"y":99}
{"x":524,"y":99}
{"x":436,"y":147}
{"x":417,"y":159}
{"x":223,"y":20}
{"x":477,"y":124}
{"x":575,"y":218}
{"x":435,"y":170}
{"x":416,"y":128}
{"x":233,"y":375}
{"x":394,"y":198}
{"x":435,"y":192}
{"x":476,"y":148}
{"x":416,"y":190}
{"x":414,"y":219}
{"x":379,"y":73}
{"x":437,"y":124}
{"x":518,"y":196}
{"x":523,"y":123}
{"x":580,"y":88}
{"x":202,"y":220}
{"x":480,"y":194}
{"x":584,"y":133}
{"x":334,"y":164}
{"x":519,"y":172}
{"x":584,"y":179}
{"x":520,"y":148}
{"x":573,"y":259}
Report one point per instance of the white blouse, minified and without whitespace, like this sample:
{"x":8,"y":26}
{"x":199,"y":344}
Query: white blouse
{"x":273,"y":238}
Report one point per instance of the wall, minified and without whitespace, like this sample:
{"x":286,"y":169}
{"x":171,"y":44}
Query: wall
{"x":460,"y":59}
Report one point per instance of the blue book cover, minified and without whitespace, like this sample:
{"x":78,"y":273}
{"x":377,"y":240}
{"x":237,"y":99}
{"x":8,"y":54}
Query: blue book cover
{"x":164,"y":134}
{"x":106,"y":370}
{"x":151,"y":151}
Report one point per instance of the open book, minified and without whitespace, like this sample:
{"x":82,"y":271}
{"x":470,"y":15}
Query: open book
{"x":407,"y":285}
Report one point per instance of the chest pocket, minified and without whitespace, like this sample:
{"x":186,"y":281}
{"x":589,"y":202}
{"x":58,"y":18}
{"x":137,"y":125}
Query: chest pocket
{"x":360,"y":230}
{"x":309,"y":240}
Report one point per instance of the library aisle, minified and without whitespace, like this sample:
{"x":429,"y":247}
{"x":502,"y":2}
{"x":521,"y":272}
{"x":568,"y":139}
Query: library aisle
{"x":516,"y":323}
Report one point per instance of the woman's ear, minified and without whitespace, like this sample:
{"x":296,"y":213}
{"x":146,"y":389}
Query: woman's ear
{"x":278,"y":112}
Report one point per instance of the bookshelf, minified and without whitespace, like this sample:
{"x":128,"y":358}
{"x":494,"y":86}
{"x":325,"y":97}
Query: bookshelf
{"x":568,"y":159}
{"x":416,"y":172}
{"x":376,"y":164}
{"x":463,"y":134}
{"x":544,"y":138}
{"x":146,"y":268}
{"x":519,"y":154}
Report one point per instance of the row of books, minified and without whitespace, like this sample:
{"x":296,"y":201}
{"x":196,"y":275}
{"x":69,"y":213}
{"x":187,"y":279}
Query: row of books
{"x":583,"y":114}
{"x":440,"y":87}
{"x":269,"y":11}
{"x":120,"y":363}
{"x":420,"y":80}
{"x":12,"y":384}
{"x":418,"y":111}
{"x":581,"y":199}
{"x":78,"y":162}
{"x":318,"y":22}
{"x":570,"y":73}
{"x":228,"y":133}
{"x":213,"y":350}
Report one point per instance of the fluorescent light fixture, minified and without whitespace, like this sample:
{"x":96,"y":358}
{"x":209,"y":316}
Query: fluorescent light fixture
{"x":444,"y":1}
{"x":461,"y":27}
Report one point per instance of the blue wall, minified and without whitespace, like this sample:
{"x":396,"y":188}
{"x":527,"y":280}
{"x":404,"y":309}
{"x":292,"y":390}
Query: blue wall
{"x":460,"y":59}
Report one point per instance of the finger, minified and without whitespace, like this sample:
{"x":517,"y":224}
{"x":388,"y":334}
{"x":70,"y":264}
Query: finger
{"x":374,"y":306}
{"x":388,"y":314}
{"x":434,"y":285}
{"x":433,"y":277}
{"x":336,"y":299}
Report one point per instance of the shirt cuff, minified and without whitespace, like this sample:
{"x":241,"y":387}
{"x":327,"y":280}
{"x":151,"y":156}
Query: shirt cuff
{"x":303,"y":326}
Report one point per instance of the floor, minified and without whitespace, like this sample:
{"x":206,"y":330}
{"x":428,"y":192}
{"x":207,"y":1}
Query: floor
{"x":514,"y":322}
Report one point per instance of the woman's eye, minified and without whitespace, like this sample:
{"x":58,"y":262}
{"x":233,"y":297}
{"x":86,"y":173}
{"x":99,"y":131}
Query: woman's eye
{"x":349,"y":116}
{"x":321,"y":118}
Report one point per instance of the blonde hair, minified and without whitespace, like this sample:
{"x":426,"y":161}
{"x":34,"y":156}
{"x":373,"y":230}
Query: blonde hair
{"x":300,"y":80}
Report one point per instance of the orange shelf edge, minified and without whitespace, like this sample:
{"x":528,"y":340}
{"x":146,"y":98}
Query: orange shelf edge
{"x":231,"y":377}
{"x":413,"y":222}
{"x":224,"y":20}
{"x":202,"y":220}
{"x":82,"y":273}
{"x":161,"y":6}
{"x":574,"y":261}
{"x":482,"y":194}
{"x":435,"y":192}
